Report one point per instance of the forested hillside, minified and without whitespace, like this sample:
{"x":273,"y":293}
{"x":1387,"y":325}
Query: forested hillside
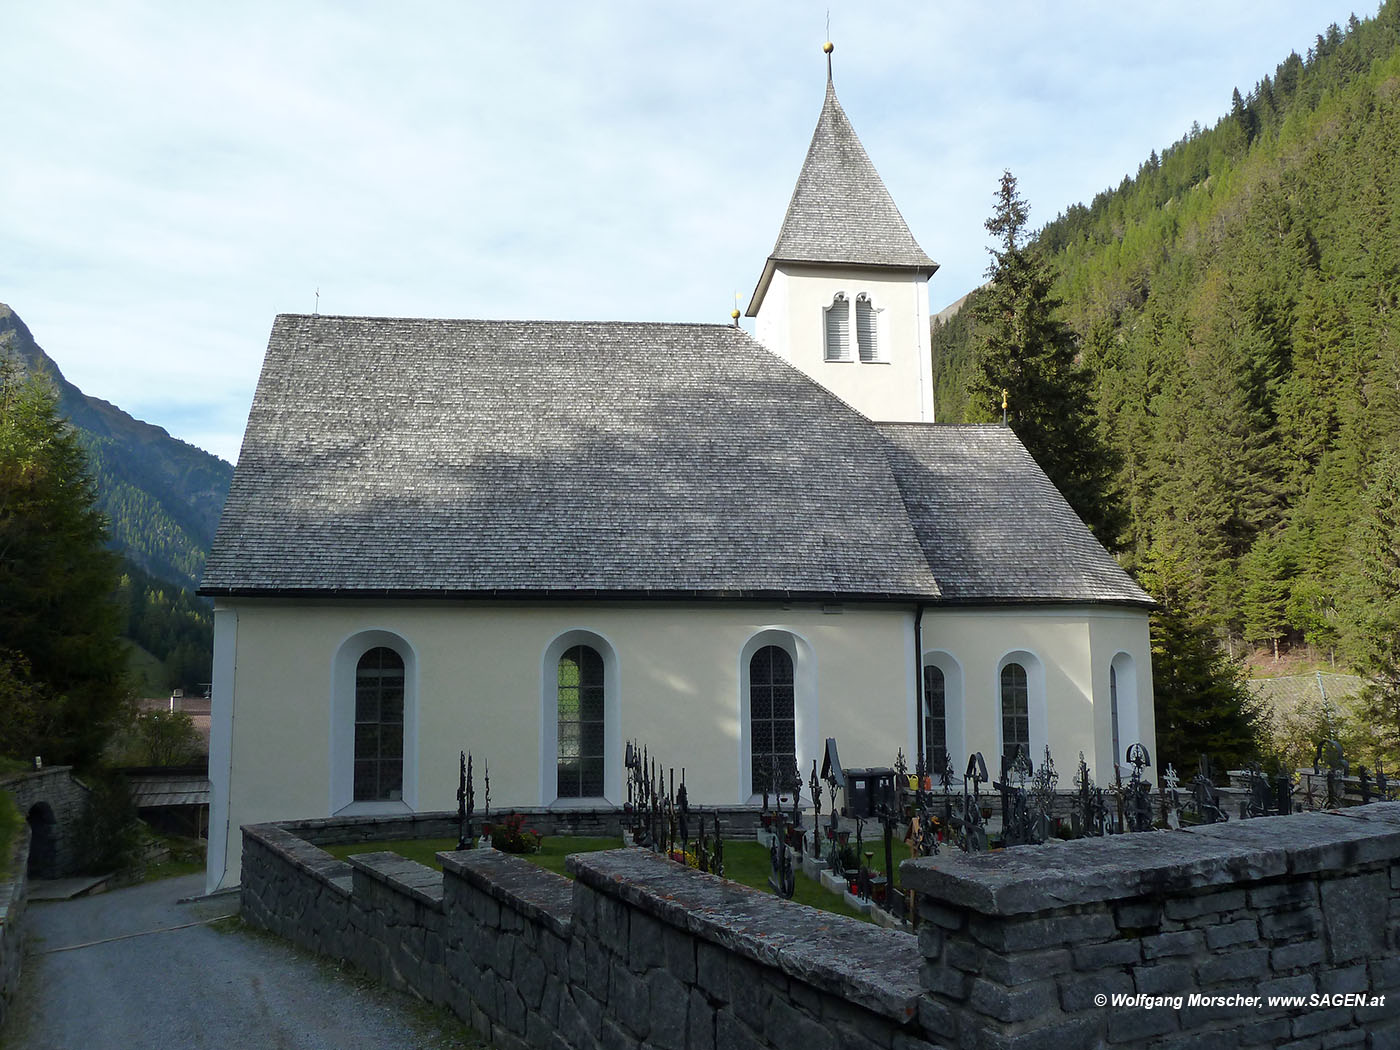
{"x":162,"y":499}
{"x":1237,"y":305}
{"x":162,"y":496}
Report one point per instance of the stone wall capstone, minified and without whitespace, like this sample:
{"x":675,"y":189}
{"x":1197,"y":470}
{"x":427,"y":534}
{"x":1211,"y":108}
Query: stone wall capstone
{"x":1161,"y":939}
{"x":636,"y":952}
{"x":1180,"y":933}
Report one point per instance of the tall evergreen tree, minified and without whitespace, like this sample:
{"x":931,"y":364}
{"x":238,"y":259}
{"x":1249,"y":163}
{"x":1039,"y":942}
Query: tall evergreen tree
{"x":1025,"y":350}
{"x":1202,"y":705}
{"x":59,"y":651}
{"x":1373,"y":622}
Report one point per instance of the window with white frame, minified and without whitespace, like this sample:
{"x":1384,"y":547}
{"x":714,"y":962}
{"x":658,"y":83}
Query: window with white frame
{"x":838,"y":328}
{"x":867,"y":329}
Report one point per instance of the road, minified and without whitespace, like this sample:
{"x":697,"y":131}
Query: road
{"x":134,"y":968}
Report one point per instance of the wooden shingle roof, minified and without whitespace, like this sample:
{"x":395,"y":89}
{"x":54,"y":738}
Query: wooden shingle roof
{"x":840,"y":212}
{"x":993,"y":526}
{"x":460,"y":458}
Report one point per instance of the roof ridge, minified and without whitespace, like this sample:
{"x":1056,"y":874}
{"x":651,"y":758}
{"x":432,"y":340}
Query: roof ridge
{"x":381,"y":318}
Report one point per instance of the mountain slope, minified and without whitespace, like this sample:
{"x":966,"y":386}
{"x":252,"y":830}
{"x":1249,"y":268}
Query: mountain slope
{"x":1238,"y":306}
{"x":162,"y":496}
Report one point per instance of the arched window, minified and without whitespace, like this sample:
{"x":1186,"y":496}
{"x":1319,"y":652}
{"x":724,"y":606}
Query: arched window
{"x":581,"y":736}
{"x":379,"y":724}
{"x":1124,"y":724}
{"x":838,"y":329}
{"x":867,"y":339}
{"x":935,"y":720}
{"x":772,"y":717}
{"x":1015,"y":713}
{"x":1113,"y":711}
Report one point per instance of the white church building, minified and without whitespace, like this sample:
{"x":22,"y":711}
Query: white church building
{"x":538,"y":540}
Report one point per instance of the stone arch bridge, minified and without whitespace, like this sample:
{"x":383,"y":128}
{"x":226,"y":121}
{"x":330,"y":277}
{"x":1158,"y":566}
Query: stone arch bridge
{"x":52,"y":801}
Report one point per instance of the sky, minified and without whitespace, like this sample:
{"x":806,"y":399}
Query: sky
{"x":177,"y":173}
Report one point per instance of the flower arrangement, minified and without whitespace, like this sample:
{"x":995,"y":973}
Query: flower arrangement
{"x":512,"y":836}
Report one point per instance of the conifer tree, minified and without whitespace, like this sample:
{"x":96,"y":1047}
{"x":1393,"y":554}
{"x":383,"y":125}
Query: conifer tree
{"x":1024,"y":349}
{"x":1373,"y":623}
{"x":1202,"y":705}
{"x":62,"y":665}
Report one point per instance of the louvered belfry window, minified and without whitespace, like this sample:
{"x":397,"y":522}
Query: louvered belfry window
{"x":772,"y":721}
{"x":935,"y":720}
{"x":866,"y":336}
{"x":581,"y":723}
{"x":1015,"y":713}
{"x":838,"y":329}
{"x":379,"y":691}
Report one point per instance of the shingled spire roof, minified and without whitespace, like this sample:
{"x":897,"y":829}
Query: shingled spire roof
{"x":841,"y":212}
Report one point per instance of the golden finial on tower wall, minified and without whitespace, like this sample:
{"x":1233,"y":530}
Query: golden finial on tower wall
{"x":1005,"y":401}
{"x":827,"y":49}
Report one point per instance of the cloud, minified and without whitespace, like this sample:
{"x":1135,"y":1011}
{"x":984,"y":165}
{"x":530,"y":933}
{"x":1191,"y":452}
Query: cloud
{"x":179,"y":173}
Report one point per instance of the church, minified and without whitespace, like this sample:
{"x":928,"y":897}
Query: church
{"x":539,"y":540}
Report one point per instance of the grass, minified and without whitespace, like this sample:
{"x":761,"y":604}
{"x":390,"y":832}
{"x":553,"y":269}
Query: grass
{"x":748,"y":862}
{"x":10,"y":765}
{"x":186,"y":858}
{"x":745,"y":862}
{"x":10,"y":822}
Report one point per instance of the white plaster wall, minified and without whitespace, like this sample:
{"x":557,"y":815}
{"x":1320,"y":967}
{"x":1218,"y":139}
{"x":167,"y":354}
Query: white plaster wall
{"x":482,"y":686}
{"x":791,"y":323}
{"x":1074,"y":647}
{"x":481,"y":680}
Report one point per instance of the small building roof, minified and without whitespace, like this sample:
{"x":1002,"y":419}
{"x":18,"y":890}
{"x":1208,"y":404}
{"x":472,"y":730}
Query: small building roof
{"x":840,"y":212}
{"x":500,"y":459}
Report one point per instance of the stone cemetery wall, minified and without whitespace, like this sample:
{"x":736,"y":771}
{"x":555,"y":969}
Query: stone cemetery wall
{"x":1154,"y":939}
{"x":637,"y":952}
{"x":1180,"y":933}
{"x":13,"y":889}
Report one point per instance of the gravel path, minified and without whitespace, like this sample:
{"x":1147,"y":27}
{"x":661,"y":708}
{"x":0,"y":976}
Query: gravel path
{"x":112,"y":971}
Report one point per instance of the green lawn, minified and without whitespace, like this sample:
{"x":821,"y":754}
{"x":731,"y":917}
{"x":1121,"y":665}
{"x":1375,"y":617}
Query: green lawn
{"x":745,"y":862}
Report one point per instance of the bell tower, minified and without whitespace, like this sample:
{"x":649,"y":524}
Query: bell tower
{"x":844,"y":293}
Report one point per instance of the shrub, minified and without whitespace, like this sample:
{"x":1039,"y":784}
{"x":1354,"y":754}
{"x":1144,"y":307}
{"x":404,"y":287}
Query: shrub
{"x":512,"y":836}
{"x":110,"y":837}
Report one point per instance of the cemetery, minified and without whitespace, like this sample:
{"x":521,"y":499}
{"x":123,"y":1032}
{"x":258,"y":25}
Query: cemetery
{"x":1000,"y":930}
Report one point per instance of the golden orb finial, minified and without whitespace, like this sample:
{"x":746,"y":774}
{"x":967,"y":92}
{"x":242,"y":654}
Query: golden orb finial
{"x":828,"y":47}
{"x":734,"y":315}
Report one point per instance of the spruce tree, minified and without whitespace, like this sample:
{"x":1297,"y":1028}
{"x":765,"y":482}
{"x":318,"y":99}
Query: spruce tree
{"x":1372,"y":625}
{"x":62,"y":665}
{"x":1202,"y":704}
{"x":1025,"y":349}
